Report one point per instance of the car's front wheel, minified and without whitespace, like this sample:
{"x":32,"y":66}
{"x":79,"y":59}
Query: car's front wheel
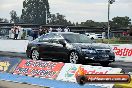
{"x":73,"y":57}
{"x":35,"y":55}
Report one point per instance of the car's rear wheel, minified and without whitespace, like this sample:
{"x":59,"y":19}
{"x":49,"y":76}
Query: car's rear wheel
{"x":35,"y":55}
{"x":104,"y":63}
{"x":73,"y":57}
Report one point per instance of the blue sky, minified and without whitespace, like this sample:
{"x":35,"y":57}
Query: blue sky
{"x":76,"y":10}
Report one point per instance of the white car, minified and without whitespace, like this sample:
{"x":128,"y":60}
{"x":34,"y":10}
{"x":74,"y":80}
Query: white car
{"x":94,"y":36}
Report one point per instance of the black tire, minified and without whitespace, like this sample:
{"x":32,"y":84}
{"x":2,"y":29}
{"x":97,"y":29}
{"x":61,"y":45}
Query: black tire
{"x":33,"y":56}
{"x":81,"y":80}
{"x":73,"y":57}
{"x":105,"y":64}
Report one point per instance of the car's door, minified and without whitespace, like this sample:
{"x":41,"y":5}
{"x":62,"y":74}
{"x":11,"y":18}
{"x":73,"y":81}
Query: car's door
{"x":59,"y":51}
{"x":45,"y":46}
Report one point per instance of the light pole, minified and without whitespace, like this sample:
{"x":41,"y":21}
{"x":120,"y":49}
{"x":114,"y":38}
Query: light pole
{"x":109,"y":2}
{"x":45,"y":14}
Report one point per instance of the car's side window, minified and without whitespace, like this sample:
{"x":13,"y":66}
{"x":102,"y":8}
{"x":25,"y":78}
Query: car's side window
{"x":44,"y":38}
{"x":56,"y":39}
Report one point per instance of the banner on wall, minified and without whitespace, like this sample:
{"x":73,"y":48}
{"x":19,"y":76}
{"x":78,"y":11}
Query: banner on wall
{"x":8,"y":64}
{"x":43,"y":69}
{"x":122,"y":51}
{"x":69,"y":71}
{"x":99,"y":70}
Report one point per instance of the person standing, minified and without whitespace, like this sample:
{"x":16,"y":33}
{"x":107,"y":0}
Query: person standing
{"x":40,"y":31}
{"x":16,"y":32}
{"x":34,"y":33}
{"x":43,"y":31}
{"x":50,"y":29}
{"x":66,"y":29}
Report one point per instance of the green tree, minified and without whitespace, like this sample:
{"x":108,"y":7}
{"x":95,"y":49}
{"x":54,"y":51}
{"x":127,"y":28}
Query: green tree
{"x":59,"y":19}
{"x":119,"y":22}
{"x":35,"y":11}
{"x":89,"y":23}
{"x":14,"y":17}
{"x":4,"y":20}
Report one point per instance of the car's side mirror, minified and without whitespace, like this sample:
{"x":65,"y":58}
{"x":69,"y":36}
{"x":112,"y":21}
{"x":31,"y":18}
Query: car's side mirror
{"x":62,"y":42}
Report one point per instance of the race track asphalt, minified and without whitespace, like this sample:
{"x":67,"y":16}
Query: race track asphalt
{"x":7,"y":84}
{"x":126,"y":66}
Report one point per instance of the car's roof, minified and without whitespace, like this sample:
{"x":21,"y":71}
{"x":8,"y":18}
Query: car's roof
{"x":64,"y":33}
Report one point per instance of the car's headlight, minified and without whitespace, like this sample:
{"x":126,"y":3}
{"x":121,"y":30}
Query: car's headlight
{"x":88,"y":51}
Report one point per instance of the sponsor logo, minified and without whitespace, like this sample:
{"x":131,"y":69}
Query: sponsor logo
{"x":4,"y":66}
{"x":71,"y":72}
{"x":122,"y":51}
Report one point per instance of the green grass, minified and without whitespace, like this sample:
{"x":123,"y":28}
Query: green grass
{"x":113,"y":41}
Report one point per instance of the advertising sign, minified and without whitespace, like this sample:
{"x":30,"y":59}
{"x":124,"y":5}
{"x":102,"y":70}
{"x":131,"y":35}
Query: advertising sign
{"x":87,"y":69}
{"x":8,"y":64}
{"x":68,"y":72}
{"x":99,"y":70}
{"x":122,"y":51}
{"x":43,"y":69}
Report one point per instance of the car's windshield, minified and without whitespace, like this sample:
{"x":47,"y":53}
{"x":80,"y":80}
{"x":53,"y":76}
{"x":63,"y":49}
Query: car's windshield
{"x":76,"y":38}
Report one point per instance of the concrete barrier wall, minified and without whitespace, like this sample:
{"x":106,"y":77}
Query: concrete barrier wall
{"x":13,"y":45}
{"x":61,"y":71}
{"x":69,"y":72}
{"x":53,"y":70}
{"x":41,"y":69}
{"x":8,"y":64}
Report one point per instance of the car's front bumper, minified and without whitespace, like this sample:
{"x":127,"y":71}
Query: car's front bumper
{"x":99,"y":57}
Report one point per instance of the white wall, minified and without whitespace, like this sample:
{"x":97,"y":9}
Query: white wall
{"x":122,"y":51}
{"x":13,"y":45}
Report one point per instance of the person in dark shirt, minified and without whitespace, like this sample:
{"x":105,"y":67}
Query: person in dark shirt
{"x":34,"y":33}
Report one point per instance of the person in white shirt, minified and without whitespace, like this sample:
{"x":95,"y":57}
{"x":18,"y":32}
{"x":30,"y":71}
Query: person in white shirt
{"x":66,"y":29}
{"x":16,"y":32}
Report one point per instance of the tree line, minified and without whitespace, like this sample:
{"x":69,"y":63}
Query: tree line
{"x":38,"y":12}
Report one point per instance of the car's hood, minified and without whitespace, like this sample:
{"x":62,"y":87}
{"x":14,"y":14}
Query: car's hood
{"x":91,"y":45}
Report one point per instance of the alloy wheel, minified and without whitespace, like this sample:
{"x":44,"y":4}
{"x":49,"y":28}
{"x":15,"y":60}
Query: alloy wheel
{"x":73,"y":57}
{"x":35,"y":55}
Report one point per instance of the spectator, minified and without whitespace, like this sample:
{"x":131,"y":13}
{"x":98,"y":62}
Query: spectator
{"x":34,"y":34}
{"x":42,"y":31}
{"x":50,"y":29}
{"x":59,"y":29}
{"x":23,"y":34}
{"x":12,"y":29}
{"x":66,"y":29}
{"x":124,"y":33}
{"x":16,"y":32}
